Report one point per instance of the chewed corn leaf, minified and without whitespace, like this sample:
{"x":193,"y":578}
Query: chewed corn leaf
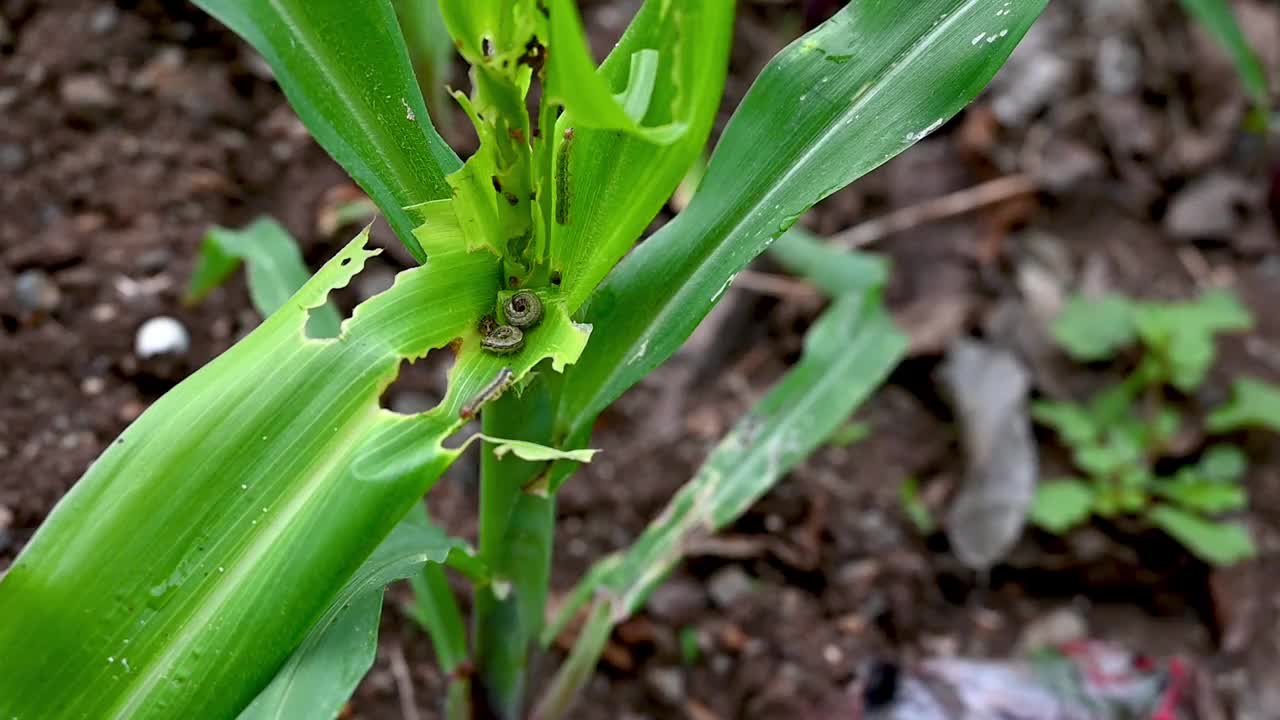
{"x":182,"y":570}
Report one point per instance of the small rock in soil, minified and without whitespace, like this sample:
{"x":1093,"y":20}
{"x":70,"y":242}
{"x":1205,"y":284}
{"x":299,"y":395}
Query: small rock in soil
{"x":1066,"y":165}
{"x":1055,"y":628}
{"x":667,"y":684}
{"x":162,"y":68}
{"x":13,"y":157}
{"x":6,"y":521}
{"x":104,"y":19}
{"x":86,"y":92}
{"x":677,"y":601}
{"x":1032,"y":85}
{"x":36,"y":292}
{"x":729,"y":585}
{"x":1118,"y":68}
{"x":988,"y":387}
{"x":154,"y":260}
{"x":1210,"y":208}
{"x":161,"y":336}
{"x":721,"y":664}
{"x":1257,"y":238}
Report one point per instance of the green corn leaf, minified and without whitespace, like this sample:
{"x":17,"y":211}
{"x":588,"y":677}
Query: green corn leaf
{"x":275,"y":268}
{"x":346,"y":72}
{"x":616,"y":172}
{"x":851,"y":94}
{"x":1253,"y":403}
{"x":323,"y":672}
{"x":1218,"y":19}
{"x":180,"y":573}
{"x":835,"y":271}
{"x":587,"y":98}
{"x":499,"y":26}
{"x":847,"y":353}
{"x":1216,"y":542}
{"x":1060,"y":505}
{"x":436,"y":610}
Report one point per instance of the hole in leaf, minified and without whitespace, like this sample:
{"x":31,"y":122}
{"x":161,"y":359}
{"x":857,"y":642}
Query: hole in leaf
{"x":323,"y":323}
{"x":419,"y":386}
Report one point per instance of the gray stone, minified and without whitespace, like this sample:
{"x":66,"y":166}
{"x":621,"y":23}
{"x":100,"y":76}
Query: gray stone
{"x":13,"y":157}
{"x":1118,"y":68}
{"x":667,"y":684}
{"x":677,"y":601}
{"x":6,"y":522}
{"x":154,"y":260}
{"x":104,"y":20}
{"x":36,"y":292}
{"x":1032,"y":84}
{"x":1057,"y":627}
{"x":1212,"y":207}
{"x":86,"y":92}
{"x":729,"y":585}
{"x":161,"y":336}
{"x":1067,"y":165}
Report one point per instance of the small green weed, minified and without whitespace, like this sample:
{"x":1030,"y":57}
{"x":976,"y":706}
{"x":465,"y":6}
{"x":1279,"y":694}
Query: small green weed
{"x":1119,"y":435}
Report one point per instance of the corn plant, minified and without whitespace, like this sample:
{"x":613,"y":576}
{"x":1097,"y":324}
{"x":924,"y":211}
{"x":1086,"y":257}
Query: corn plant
{"x":227,"y":554}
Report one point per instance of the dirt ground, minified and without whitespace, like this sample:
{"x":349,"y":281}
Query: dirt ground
{"x":128,"y":129}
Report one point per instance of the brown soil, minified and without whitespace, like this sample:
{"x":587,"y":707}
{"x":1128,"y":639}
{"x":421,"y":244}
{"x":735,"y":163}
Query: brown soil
{"x":131,"y":128}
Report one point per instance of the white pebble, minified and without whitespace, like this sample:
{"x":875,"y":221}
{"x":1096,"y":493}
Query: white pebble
{"x":161,"y":336}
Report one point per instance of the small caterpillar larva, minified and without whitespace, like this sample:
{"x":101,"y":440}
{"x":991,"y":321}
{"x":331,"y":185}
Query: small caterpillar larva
{"x":488,"y":393}
{"x":562,"y":178}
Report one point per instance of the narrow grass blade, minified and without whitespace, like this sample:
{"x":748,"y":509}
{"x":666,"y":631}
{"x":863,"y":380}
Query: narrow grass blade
{"x":558,"y":699}
{"x":346,"y":72}
{"x":848,"y":352}
{"x":436,"y":610}
{"x":835,"y":271}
